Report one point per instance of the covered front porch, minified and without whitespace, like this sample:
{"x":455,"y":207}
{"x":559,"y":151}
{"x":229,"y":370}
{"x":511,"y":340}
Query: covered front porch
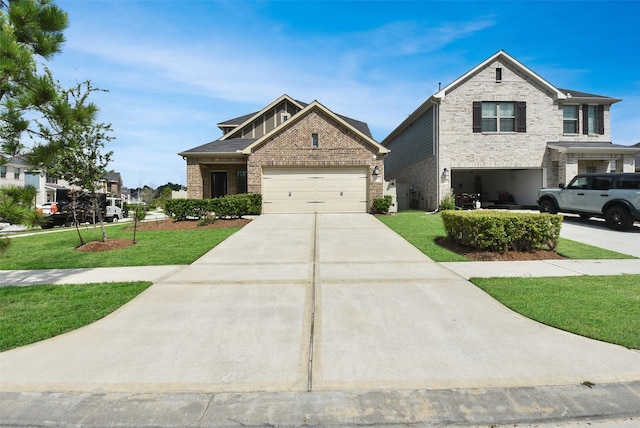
{"x":213,"y":178}
{"x":570,"y":159}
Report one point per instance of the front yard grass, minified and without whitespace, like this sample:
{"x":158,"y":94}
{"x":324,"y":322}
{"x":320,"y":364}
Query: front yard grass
{"x":31,"y":314}
{"x":422,"y":229}
{"x":605,"y":308}
{"x":153,"y":248}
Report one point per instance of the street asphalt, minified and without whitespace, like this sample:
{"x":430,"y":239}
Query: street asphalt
{"x":318,"y":320}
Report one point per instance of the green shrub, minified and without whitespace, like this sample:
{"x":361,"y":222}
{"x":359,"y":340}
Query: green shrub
{"x":448,"y":203}
{"x":501,"y":231}
{"x":229,"y":206}
{"x":382,"y":205}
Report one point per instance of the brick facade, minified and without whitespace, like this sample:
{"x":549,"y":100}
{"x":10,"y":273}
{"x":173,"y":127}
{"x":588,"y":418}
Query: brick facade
{"x":342,"y":142}
{"x":337,"y":147}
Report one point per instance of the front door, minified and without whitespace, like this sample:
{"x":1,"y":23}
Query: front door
{"x":218,"y":184}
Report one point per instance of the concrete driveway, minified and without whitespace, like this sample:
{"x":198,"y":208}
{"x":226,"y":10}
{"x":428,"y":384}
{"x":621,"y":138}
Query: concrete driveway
{"x":323,"y":303}
{"x":595,"y":232}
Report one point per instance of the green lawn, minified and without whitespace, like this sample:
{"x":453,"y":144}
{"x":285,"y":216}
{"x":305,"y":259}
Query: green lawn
{"x":165,"y":247}
{"x":421,"y":229}
{"x":30,"y":314}
{"x":606,"y":308}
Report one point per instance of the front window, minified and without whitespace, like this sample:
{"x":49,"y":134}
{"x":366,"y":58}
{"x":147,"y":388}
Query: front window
{"x":16,"y":173}
{"x":3,"y":172}
{"x":570,"y":119}
{"x":242,"y":181}
{"x":314,"y":140}
{"x":592,"y":119}
{"x":498,"y":117}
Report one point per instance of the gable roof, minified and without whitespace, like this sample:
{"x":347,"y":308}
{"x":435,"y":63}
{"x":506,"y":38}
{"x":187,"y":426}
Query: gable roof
{"x":227,"y":145}
{"x":558,"y":94}
{"x":306,"y":110}
{"x":504,"y":57}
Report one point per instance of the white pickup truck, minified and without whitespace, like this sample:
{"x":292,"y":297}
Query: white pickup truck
{"x":612,"y":196}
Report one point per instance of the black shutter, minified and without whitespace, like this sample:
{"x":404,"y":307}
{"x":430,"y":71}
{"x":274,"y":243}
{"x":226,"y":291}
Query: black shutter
{"x":477,"y":116}
{"x":521,"y":116}
{"x":585,"y":119}
{"x":601,"y":119}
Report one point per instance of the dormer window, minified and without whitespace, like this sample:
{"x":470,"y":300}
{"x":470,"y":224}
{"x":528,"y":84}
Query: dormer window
{"x":284,"y":117}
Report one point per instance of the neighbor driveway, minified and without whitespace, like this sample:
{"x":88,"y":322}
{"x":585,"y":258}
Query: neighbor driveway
{"x":299,"y":302}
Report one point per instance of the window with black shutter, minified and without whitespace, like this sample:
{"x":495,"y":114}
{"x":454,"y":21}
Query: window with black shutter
{"x":601,"y":119}
{"x":521,"y":116}
{"x":593,"y":119}
{"x":477,"y":116}
{"x":499,"y":116}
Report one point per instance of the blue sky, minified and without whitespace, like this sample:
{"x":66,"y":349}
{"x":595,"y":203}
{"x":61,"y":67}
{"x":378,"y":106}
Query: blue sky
{"x":176,"y":68}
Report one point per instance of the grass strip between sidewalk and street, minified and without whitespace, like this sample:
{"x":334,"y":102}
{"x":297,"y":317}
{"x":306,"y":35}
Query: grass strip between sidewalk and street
{"x":605,"y":308}
{"x":153,"y":248}
{"x":31,"y":314}
{"x":421,"y":230}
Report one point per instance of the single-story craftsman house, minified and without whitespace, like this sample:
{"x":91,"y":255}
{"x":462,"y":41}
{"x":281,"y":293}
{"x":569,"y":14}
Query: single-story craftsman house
{"x":503,"y":132}
{"x":302,"y":158}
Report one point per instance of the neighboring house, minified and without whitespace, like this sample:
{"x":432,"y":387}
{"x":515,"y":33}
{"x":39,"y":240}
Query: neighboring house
{"x":300,"y":157}
{"x":16,"y":171}
{"x":114,"y":184}
{"x":503,"y":132}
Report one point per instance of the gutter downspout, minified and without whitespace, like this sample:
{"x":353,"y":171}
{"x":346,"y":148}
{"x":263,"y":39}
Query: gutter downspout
{"x":436,"y":145}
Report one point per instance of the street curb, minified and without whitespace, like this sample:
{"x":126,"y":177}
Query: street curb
{"x":463,"y":407}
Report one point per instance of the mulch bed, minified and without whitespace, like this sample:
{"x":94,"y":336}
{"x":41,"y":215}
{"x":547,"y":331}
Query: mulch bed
{"x":165,"y":224}
{"x":487,"y":256}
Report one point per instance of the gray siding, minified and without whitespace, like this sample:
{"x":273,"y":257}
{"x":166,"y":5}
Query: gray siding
{"x":413,"y":145}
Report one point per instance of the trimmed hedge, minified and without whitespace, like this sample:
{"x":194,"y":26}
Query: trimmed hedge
{"x":500,"y":231}
{"x":231,"y":206}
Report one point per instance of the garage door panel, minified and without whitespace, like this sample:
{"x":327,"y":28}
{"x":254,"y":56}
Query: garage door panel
{"x":305,"y":190}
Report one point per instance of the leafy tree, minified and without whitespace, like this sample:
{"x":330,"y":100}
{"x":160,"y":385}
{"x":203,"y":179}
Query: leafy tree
{"x":78,"y":140}
{"x":29,"y":29}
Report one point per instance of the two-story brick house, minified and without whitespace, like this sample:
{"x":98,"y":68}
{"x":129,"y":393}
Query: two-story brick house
{"x":301,"y":157}
{"x":501,"y":129}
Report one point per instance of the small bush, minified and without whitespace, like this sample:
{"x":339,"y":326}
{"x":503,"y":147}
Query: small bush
{"x":206,"y":221}
{"x":382,"y":205}
{"x":500,"y":231}
{"x":448,"y":203}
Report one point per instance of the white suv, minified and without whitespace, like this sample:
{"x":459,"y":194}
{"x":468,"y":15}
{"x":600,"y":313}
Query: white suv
{"x":612,"y":196}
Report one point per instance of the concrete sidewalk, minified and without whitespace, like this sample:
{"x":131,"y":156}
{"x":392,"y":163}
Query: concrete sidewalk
{"x":329,"y":316}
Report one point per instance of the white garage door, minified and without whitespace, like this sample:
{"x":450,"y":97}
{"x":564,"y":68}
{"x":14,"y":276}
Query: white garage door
{"x":312,"y":190}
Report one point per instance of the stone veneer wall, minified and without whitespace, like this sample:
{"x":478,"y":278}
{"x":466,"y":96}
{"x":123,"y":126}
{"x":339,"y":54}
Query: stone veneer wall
{"x":338,"y":146}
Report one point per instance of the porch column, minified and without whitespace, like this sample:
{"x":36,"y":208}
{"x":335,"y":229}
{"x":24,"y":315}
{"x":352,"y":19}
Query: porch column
{"x":628,"y":164}
{"x":570,"y":169}
{"x":194,"y":180}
